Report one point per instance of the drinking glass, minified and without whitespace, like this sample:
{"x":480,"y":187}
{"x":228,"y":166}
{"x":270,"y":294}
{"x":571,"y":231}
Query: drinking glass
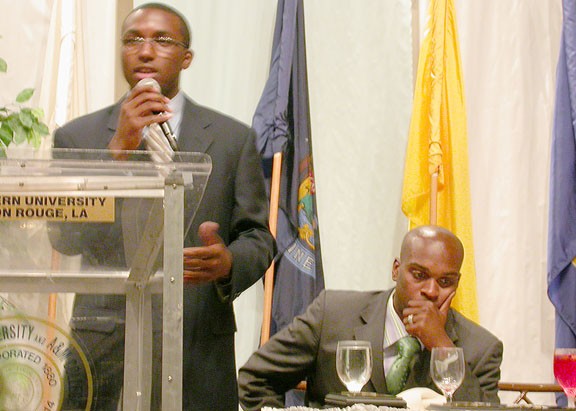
{"x":354,"y":364}
{"x":565,"y":372}
{"x":447,"y":369}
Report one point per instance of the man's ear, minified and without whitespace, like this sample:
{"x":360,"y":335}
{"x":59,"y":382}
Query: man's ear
{"x":395,"y":266}
{"x":188,"y":57}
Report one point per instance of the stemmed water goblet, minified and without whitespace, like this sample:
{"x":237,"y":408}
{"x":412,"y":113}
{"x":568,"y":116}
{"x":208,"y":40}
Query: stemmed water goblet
{"x":565,"y":372}
{"x":447,"y":369}
{"x":354,"y":364}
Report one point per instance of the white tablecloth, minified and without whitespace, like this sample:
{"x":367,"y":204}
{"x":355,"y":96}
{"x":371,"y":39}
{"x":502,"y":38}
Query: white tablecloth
{"x":355,"y":407}
{"x":417,"y":399}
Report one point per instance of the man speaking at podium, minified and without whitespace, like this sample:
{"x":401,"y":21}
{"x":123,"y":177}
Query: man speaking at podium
{"x":229,"y":245}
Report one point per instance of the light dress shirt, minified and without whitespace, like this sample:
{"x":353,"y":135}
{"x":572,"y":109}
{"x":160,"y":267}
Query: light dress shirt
{"x":177,"y":106}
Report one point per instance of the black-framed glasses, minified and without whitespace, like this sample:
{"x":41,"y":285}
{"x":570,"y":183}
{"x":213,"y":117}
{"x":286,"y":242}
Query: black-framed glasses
{"x":160,"y":44}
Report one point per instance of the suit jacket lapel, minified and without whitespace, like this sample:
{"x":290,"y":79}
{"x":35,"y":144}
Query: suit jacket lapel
{"x":114,"y":114}
{"x":194,"y":130}
{"x":374,"y":318}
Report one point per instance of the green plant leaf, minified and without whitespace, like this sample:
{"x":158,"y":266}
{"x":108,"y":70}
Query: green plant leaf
{"x":3,"y":65}
{"x":20,"y":135}
{"x":13,"y":121}
{"x":38,"y":113}
{"x":6,"y":134}
{"x":41,"y":128}
{"x":25,"y":95}
{"x":19,"y":132}
{"x":34,"y":138}
{"x":26,"y":118}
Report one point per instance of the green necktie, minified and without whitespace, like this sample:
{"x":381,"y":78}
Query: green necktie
{"x":398,"y":372}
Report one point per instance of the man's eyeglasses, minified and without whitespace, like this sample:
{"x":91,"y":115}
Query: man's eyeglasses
{"x":160,"y":44}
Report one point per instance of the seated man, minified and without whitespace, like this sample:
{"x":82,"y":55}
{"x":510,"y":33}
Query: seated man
{"x":426,"y":276}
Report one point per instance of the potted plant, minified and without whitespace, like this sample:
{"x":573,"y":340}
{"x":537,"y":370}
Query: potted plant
{"x":19,"y":124}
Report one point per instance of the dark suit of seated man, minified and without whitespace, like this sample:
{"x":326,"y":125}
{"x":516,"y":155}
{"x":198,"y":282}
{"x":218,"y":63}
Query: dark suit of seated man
{"x":426,"y":276}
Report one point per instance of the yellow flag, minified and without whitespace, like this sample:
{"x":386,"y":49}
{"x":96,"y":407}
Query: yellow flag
{"x":437,"y":141}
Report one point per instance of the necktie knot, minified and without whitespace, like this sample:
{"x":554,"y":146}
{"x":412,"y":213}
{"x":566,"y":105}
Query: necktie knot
{"x":397,"y":375}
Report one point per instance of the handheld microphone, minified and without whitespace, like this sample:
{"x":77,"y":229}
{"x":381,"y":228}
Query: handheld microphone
{"x":164,"y":126}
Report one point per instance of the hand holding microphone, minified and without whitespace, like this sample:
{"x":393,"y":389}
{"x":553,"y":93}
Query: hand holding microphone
{"x":142,"y":107}
{"x":164,"y":125}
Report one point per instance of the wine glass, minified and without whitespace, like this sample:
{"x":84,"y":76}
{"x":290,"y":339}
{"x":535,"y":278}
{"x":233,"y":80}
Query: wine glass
{"x":447,"y":369}
{"x":354,"y":364}
{"x":565,"y":372}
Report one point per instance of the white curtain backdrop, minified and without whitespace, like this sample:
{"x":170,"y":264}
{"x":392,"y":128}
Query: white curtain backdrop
{"x":360,"y":80}
{"x":509,"y":52}
{"x":360,"y":60}
{"x":23,"y":38}
{"x":44,"y":43}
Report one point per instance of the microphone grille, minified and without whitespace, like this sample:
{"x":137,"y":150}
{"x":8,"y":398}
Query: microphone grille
{"x":147,"y":82}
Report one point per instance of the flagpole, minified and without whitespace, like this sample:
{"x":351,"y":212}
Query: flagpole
{"x":273,"y":222}
{"x":434,"y":198}
{"x":52,"y":297}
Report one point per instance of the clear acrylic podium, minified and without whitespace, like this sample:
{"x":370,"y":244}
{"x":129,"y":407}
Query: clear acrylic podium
{"x":77,"y":224}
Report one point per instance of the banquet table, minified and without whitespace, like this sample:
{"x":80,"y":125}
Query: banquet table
{"x":355,"y":407}
{"x":457,"y":406}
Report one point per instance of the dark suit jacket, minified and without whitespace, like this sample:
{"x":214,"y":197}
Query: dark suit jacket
{"x":306,"y":349}
{"x":235,"y":198}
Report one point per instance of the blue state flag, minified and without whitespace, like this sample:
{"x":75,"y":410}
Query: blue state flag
{"x":562,"y":219}
{"x":282,"y":123}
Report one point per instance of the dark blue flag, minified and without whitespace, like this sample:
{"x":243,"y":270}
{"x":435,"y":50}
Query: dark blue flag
{"x":562,"y":224}
{"x":282,"y":123}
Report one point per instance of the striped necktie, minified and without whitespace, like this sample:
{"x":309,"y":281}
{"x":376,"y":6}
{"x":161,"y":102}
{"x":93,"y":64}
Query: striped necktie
{"x":156,"y":144}
{"x":397,"y":375}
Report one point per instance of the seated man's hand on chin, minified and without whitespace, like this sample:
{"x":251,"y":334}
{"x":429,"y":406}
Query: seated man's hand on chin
{"x":425,"y":321}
